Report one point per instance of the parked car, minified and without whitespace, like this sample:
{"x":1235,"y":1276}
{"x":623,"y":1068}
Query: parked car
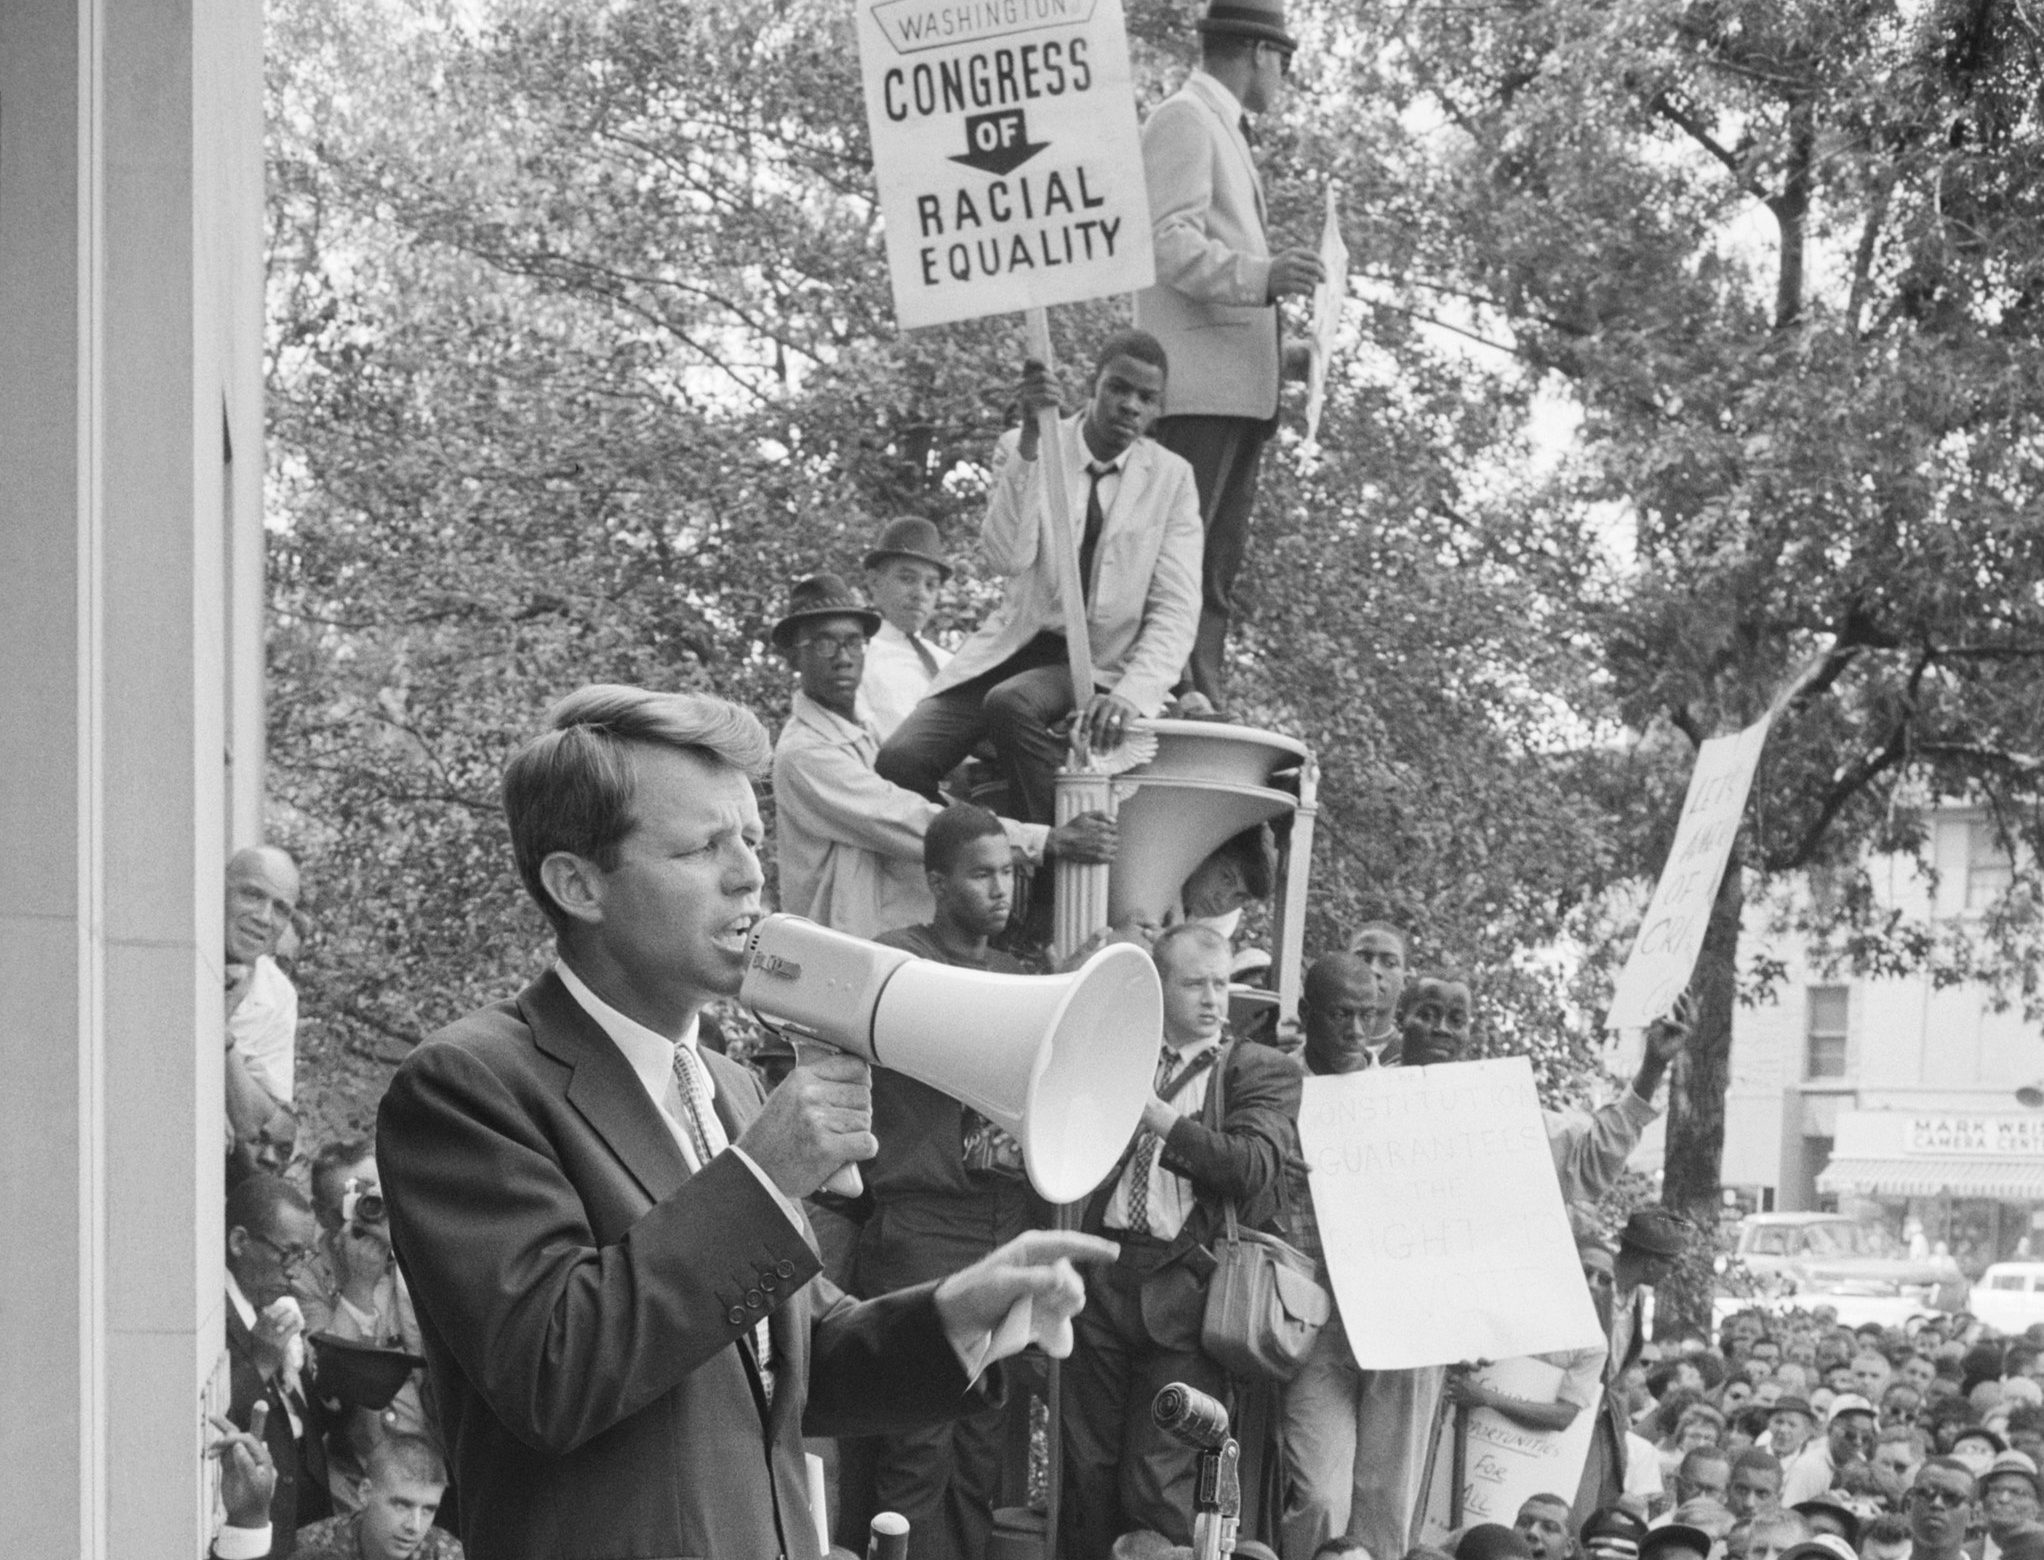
{"x":1834,"y":1257}
{"x":2010,"y":1296}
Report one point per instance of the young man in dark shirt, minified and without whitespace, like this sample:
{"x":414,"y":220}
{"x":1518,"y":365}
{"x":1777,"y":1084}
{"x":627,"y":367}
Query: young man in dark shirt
{"x":947,"y":1188}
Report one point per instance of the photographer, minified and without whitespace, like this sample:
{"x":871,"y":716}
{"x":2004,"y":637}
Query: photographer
{"x":364,"y":1300}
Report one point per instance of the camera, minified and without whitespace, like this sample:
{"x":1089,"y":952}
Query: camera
{"x":361,"y":1202}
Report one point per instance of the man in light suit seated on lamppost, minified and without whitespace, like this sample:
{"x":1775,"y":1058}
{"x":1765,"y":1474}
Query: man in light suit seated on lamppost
{"x":1135,"y":509}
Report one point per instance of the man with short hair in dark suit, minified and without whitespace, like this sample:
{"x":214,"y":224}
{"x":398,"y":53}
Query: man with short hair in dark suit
{"x":271,"y":1239}
{"x":624,"y":1331}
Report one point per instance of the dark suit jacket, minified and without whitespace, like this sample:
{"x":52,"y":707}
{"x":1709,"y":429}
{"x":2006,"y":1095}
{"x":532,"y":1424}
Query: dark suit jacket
{"x":585,"y":1303}
{"x":301,"y":1493}
{"x":1240,"y":1156}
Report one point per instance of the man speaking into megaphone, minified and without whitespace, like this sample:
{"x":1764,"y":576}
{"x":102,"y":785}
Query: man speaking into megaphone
{"x":599,"y":1223}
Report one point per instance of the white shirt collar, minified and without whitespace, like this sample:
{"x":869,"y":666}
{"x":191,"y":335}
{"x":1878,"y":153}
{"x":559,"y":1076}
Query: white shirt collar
{"x":240,"y":1302}
{"x":649,"y":1053}
{"x":890,"y":633}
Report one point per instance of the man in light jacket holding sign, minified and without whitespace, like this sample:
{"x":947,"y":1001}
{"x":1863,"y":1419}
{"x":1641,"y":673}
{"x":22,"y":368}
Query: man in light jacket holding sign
{"x":1135,"y":513}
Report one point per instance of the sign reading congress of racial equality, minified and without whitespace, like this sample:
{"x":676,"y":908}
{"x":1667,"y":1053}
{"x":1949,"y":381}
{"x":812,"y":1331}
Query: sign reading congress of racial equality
{"x":1664,"y":954}
{"x":1007,"y":154}
{"x":1441,"y":1215}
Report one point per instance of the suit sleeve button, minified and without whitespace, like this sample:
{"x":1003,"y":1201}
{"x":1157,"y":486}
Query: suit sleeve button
{"x":754,"y":1299}
{"x":768,"y":1282}
{"x":785,"y":1268}
{"x":735,"y":1316}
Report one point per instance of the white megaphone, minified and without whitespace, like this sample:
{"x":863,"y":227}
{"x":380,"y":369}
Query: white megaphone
{"x":1061,"y":1063}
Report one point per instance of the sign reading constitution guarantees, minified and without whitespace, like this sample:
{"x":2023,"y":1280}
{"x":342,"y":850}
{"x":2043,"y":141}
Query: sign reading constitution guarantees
{"x":1006,"y":150}
{"x":1664,"y":954}
{"x":1441,"y":1216}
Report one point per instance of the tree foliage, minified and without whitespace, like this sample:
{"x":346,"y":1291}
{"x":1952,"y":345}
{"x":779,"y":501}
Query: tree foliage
{"x":1695,"y":344}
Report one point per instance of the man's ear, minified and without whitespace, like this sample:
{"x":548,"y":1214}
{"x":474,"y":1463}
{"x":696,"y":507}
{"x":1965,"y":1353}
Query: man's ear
{"x":237,"y":1241}
{"x":576,"y":884}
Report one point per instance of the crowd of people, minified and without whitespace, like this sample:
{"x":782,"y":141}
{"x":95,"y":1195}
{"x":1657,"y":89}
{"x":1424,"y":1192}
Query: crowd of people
{"x":1790,"y":1437}
{"x":584,"y":1295}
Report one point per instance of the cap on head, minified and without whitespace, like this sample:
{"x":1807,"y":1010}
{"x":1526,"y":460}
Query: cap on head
{"x":1843,"y":1515}
{"x":1794,"y":1405}
{"x":1493,"y":1541}
{"x":1614,"y":1522}
{"x":2017,"y":1463}
{"x":1825,"y":1546}
{"x":910,"y":537}
{"x":1672,"y":1536}
{"x":1654,"y":1232}
{"x":1847,"y":1403}
{"x":822,"y":595}
{"x":1263,"y":20}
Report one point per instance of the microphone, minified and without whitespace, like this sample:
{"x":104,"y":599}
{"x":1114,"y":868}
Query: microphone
{"x":1193,"y":1419}
{"x":1187,"y":1414}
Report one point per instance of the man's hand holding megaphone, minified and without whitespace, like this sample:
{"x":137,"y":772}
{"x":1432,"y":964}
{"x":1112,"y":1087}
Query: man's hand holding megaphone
{"x":819,"y":1119}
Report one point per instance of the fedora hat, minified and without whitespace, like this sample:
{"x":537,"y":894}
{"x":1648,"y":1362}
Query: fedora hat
{"x":822,"y":595}
{"x":910,"y":537}
{"x":1260,"y":19}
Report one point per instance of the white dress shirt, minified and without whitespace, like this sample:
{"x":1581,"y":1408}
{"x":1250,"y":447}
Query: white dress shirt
{"x":1172,"y":1197}
{"x":651,"y":1058}
{"x":264,"y":1026}
{"x":895,"y":678}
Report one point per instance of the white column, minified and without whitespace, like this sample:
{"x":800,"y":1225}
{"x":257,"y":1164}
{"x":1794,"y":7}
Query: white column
{"x":130,"y":351}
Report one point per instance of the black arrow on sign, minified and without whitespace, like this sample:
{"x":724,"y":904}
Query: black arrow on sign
{"x":997,"y":143}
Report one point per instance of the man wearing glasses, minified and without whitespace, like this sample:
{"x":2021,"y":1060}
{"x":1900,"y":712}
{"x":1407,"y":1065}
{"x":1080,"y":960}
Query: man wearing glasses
{"x":271,"y":1240}
{"x":1214,"y":305}
{"x":1940,"y":1509}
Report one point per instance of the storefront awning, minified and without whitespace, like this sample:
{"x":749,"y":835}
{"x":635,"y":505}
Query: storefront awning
{"x":1929,"y":1175}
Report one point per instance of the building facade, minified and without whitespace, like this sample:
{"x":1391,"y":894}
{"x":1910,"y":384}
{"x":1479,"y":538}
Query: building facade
{"x":131,"y":582}
{"x":1891,"y":1097}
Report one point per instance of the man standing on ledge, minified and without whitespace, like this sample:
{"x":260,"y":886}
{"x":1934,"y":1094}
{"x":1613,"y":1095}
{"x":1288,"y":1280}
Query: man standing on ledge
{"x":1214,"y":304}
{"x":599,"y":1222}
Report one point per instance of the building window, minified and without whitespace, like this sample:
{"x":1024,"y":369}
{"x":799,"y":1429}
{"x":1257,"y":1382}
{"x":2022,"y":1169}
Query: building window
{"x":1989,"y":870}
{"x":1825,"y":1051}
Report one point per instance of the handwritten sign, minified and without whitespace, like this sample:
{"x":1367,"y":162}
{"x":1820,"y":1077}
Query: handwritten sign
{"x":1441,"y":1216}
{"x":1664,"y":954}
{"x":1505,"y":1464}
{"x":1007,"y":153}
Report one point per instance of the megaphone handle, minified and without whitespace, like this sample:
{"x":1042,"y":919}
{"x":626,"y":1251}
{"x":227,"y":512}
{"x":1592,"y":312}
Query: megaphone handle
{"x":845,"y":1180}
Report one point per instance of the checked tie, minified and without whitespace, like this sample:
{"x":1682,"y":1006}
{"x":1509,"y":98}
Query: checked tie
{"x":695,"y":1102}
{"x":1147,"y":1146}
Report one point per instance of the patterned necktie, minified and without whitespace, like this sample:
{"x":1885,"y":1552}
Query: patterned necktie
{"x":1147,"y":1146}
{"x":1096,"y":517}
{"x":915,"y":643}
{"x":695,"y":1101}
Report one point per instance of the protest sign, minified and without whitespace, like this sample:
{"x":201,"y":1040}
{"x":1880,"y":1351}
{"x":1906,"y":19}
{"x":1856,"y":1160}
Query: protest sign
{"x":1504,"y":1464}
{"x":1441,"y":1215}
{"x":1006,"y":151}
{"x":1664,"y":954}
{"x":1328,"y":298}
